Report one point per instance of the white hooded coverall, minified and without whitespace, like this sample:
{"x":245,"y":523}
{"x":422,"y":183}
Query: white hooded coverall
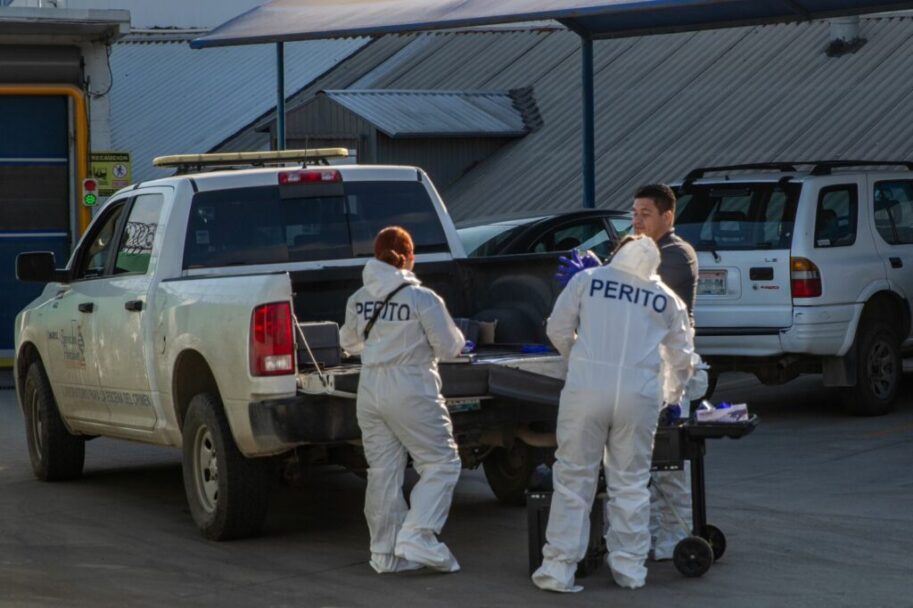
{"x":611,"y":322}
{"x":400,"y":409}
{"x":670,"y":491}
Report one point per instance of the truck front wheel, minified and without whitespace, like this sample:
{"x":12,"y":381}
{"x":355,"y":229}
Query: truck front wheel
{"x":56,"y":454}
{"x":508,"y":471}
{"x":878,"y":372}
{"x":228,"y":494}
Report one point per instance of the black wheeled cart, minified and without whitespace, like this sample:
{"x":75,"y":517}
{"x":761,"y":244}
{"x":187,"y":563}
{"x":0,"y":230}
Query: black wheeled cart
{"x":674,"y":445}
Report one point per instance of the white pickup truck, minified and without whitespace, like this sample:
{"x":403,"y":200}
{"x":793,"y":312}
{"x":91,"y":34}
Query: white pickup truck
{"x":181,"y":320}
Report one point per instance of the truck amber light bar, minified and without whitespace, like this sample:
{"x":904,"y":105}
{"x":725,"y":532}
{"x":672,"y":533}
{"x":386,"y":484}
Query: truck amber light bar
{"x":272,"y":348}
{"x":314,"y":176}
{"x":184,"y":162}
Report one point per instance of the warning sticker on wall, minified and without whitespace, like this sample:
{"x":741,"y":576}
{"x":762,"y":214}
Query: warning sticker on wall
{"x":111,"y":170}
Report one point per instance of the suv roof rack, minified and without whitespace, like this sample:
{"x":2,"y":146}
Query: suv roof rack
{"x":819,"y":167}
{"x":188,"y":163}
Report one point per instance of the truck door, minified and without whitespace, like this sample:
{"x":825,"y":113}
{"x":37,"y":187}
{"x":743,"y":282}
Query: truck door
{"x":893,"y":213}
{"x":121,"y":332}
{"x":72,"y":348}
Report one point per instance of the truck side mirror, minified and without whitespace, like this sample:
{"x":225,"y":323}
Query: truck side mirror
{"x":38,"y":267}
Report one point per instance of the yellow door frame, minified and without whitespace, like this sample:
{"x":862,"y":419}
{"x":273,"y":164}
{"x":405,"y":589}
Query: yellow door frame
{"x":81,"y":116}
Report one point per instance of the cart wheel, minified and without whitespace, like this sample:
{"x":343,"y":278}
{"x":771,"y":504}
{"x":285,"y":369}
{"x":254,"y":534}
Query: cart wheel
{"x":717,"y":540}
{"x":693,"y":556}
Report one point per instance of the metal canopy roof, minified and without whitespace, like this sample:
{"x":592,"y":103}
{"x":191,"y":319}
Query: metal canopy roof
{"x":288,"y":20}
{"x":435,"y":113}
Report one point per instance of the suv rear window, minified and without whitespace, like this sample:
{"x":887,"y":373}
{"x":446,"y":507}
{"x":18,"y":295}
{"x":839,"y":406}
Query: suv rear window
{"x":737,"y":216}
{"x":263,"y":225}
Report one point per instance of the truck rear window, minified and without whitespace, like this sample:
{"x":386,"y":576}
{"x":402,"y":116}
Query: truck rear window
{"x":263,"y":226}
{"x":737,"y":216}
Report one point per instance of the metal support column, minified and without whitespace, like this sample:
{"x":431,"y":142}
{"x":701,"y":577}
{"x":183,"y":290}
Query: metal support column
{"x":589,"y":123}
{"x":280,"y":96}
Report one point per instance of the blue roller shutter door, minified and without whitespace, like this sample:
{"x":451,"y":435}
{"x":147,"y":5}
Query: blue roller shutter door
{"x":34,"y":194}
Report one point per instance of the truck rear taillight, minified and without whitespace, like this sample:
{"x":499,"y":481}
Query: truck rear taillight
{"x":311,"y":176}
{"x":804,"y":278}
{"x":272,"y":348}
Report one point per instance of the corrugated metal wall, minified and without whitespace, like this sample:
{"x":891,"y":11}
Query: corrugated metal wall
{"x":324,"y":122}
{"x":170,"y":99}
{"x":664,"y":104}
{"x":321,"y":118}
{"x":445,"y":160}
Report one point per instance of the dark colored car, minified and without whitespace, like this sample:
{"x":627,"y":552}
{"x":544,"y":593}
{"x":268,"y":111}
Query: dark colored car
{"x":594,"y":229}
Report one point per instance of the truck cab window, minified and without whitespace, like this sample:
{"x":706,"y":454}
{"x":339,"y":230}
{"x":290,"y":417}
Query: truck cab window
{"x":136,"y":242}
{"x":99,"y":245}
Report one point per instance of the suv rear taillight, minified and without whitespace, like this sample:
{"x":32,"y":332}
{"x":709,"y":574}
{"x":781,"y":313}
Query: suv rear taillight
{"x":272,"y":348}
{"x":804,"y":278}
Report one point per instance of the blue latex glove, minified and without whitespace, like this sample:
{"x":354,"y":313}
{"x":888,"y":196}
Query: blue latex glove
{"x":469,"y":347}
{"x":568,"y":267}
{"x":670,"y":414}
{"x":535,"y":348}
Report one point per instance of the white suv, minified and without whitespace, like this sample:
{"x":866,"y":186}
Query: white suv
{"x":805,"y":268}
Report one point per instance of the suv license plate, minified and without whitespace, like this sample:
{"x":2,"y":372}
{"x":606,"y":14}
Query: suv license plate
{"x":711,"y":283}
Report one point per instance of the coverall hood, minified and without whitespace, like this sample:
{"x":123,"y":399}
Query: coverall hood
{"x":381,"y":278}
{"x":639,"y":257}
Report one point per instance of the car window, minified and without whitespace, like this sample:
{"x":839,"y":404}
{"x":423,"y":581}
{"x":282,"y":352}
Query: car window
{"x":737,"y":216}
{"x":139,"y":234}
{"x":564,"y":238}
{"x":622,"y":225}
{"x":99,"y":245}
{"x":894,"y":211}
{"x":836,"y":216}
{"x":480,"y":241}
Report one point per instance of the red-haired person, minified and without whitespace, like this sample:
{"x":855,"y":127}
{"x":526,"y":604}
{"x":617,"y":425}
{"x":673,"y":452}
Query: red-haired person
{"x":401,"y":330}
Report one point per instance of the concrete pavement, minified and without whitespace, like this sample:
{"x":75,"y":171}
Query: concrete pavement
{"x":815,"y":506}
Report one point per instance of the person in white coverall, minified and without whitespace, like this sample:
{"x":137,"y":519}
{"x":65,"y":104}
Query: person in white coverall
{"x":619,"y":325}
{"x":400,"y":408}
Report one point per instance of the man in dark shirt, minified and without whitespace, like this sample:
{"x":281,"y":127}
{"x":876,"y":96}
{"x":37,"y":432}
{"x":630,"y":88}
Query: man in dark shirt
{"x":654,"y":216}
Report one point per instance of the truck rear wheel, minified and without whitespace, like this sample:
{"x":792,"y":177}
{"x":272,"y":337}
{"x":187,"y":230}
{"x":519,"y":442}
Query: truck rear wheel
{"x":228,"y":494}
{"x":878,"y":372}
{"x":56,"y":454}
{"x":508,"y":471}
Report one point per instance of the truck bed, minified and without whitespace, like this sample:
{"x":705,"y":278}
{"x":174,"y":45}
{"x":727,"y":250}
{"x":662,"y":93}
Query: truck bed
{"x":518,"y":290}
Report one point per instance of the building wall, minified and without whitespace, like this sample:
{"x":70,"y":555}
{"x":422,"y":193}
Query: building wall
{"x":323,"y":120}
{"x":161,"y":13}
{"x":41,"y":209}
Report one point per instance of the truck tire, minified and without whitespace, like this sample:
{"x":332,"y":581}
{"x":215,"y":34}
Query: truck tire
{"x":56,"y":454}
{"x":508,"y":471}
{"x":878,"y":372}
{"x":228,"y":494}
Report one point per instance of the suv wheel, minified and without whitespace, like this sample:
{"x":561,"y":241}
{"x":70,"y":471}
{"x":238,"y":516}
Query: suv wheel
{"x":228,"y":494}
{"x":878,"y":372}
{"x":56,"y":454}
